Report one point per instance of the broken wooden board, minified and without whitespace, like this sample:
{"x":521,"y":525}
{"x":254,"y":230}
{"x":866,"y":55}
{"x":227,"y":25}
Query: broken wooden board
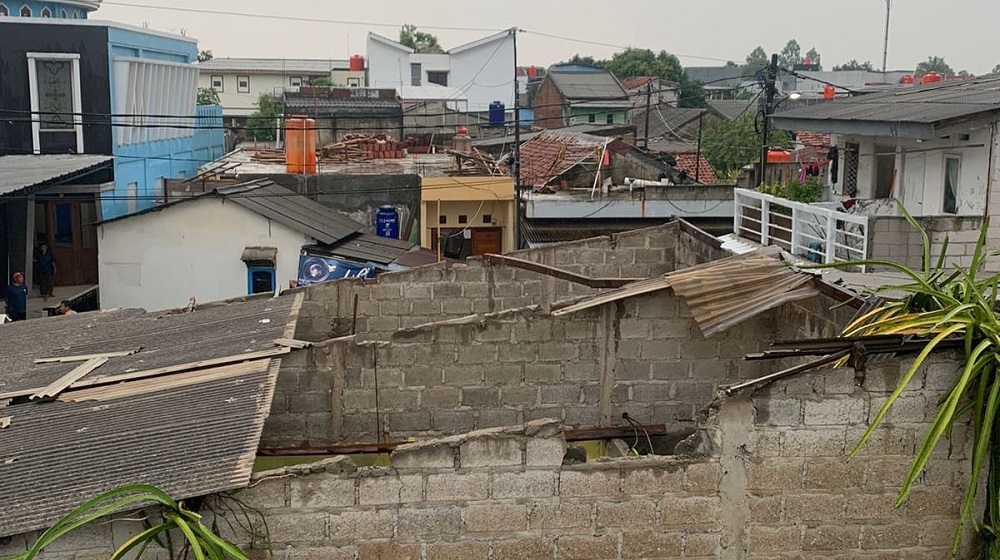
{"x":86,"y":357}
{"x":65,"y":381}
{"x":292,"y":343}
{"x":5,"y":422}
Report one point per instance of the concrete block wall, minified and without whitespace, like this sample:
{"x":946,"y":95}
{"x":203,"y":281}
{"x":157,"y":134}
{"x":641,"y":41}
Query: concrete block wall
{"x":894,"y":239}
{"x":805,"y":500}
{"x":645,"y":356}
{"x":427,"y":294}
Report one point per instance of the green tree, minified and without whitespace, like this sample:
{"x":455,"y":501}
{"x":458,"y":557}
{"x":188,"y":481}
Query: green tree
{"x":934,"y":64}
{"x":790,"y":55}
{"x":757,"y":60}
{"x":208,"y":96}
{"x":585,"y":61}
{"x":814,"y":57}
{"x":205,"y":55}
{"x":854,"y":65}
{"x":263,"y":123}
{"x":322,"y":82}
{"x":728,"y":146}
{"x":419,"y":41}
{"x":644,"y":62}
{"x":996,"y":69}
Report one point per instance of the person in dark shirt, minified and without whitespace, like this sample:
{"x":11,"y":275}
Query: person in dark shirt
{"x":17,"y":298}
{"x":46,"y":270}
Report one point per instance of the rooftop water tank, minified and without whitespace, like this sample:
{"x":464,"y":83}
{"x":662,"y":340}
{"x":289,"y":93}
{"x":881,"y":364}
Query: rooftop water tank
{"x":387,"y":222}
{"x":497,"y":111}
{"x":357,"y":63}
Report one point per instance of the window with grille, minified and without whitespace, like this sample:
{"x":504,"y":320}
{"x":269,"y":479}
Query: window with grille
{"x":852,"y":155}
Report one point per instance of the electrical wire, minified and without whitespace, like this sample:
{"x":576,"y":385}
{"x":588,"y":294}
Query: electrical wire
{"x":600,"y":44}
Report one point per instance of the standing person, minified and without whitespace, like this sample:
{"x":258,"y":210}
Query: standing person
{"x":17,"y":298}
{"x":46,"y":263}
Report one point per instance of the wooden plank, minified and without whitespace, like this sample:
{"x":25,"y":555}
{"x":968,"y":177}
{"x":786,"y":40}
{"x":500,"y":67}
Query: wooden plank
{"x":292,"y":343}
{"x":635,"y":289}
{"x":531,"y":266}
{"x":181,"y":367}
{"x":5,"y":422}
{"x":293,"y":315}
{"x":149,"y":385}
{"x":65,"y":381}
{"x":86,"y":357}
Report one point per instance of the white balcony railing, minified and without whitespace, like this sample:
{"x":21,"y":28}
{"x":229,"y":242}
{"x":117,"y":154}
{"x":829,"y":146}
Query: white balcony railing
{"x":812,"y":232}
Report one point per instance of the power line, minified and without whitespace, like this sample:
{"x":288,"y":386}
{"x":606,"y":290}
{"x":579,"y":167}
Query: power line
{"x":291,"y":18}
{"x":614,"y":46}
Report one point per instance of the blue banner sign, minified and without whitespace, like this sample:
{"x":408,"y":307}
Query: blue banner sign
{"x":314,"y":269}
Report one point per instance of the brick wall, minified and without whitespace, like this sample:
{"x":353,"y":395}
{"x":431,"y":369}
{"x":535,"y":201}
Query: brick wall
{"x":645,"y":356}
{"x":427,"y":294}
{"x":549,"y":106}
{"x":773,"y":484}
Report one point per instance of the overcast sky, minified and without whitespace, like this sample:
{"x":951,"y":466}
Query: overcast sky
{"x":962,"y":31}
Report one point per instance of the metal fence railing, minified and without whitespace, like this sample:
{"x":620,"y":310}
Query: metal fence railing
{"x":812,"y":232}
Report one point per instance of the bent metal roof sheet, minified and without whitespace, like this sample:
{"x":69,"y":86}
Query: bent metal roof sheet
{"x":183,"y":409}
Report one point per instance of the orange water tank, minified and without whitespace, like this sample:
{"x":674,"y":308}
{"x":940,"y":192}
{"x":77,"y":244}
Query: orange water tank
{"x":300,"y":145}
{"x":907,"y":79}
{"x":357,"y":63}
{"x":532,"y":72}
{"x":829,"y":92}
{"x":932,"y":78}
{"x":778,"y":156}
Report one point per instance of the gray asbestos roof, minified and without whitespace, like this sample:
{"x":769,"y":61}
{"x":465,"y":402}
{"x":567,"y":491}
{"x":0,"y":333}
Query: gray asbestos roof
{"x":665,"y":121}
{"x":192,"y":432}
{"x":584,"y":86}
{"x":916,"y":105}
{"x":21,"y":172}
{"x":729,"y":109}
{"x":277,"y":203}
{"x":283,"y":66}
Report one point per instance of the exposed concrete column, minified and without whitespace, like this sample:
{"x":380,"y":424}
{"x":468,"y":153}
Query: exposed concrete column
{"x":607,"y":340}
{"x":734,"y":423}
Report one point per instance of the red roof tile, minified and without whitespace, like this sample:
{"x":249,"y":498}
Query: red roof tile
{"x":688,"y":163}
{"x":633,"y":83}
{"x":552,"y":153}
{"x":817,"y":139}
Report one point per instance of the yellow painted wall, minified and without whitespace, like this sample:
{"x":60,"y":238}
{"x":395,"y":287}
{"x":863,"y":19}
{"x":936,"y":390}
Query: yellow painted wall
{"x":467,"y":188}
{"x":501,"y":213}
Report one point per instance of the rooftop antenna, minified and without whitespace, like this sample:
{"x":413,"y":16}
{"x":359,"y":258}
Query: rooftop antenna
{"x":885,"y":49}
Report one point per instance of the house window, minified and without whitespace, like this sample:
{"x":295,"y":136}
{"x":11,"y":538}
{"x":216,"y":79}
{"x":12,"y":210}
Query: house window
{"x":439,"y":78}
{"x":295,"y":81}
{"x":64,"y":15}
{"x":76,"y":14}
{"x":952,"y":171}
{"x":885,"y":171}
{"x":610,"y":118}
{"x":852,"y":156}
{"x":353,"y":82}
{"x":592,"y":118}
{"x":25,"y":11}
{"x":416,"y":73}
{"x":243,"y":84}
{"x":463,"y":219}
{"x":260,"y":280}
{"x":131,"y":197}
{"x":57,"y":125}
{"x":219,"y":83}
{"x":4,"y":11}
{"x":46,"y":12}
{"x":487,"y":218}
{"x":442,"y":219}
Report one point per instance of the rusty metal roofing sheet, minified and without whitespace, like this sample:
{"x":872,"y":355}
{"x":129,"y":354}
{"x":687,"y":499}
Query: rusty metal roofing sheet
{"x":190,"y":440}
{"x":722,"y":293}
{"x":553,"y":152}
{"x":917,"y":104}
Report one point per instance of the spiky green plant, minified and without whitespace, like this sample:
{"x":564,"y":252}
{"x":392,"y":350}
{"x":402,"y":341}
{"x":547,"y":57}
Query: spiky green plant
{"x":169,"y":516}
{"x":943,"y":304}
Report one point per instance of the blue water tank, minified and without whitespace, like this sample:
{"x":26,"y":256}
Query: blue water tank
{"x":387,"y":222}
{"x":497,"y":113}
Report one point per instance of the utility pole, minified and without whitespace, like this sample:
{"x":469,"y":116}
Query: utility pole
{"x":649,"y":95}
{"x":769,"y":91}
{"x":517,"y":150}
{"x":697,"y":165}
{"x":885,"y":49}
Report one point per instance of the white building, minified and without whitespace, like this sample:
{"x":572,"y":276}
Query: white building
{"x":227,"y":243}
{"x":481,"y":71}
{"x":932,"y":148}
{"x":241,"y":81}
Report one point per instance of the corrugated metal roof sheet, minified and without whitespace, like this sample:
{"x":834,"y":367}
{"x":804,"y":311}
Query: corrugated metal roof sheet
{"x":578,"y":86}
{"x":24,"y":171}
{"x":285,"y":66}
{"x":729,"y":109}
{"x":307,"y":104}
{"x":366,"y":247}
{"x":191,"y":433}
{"x":723,"y":293}
{"x":925,"y":104}
{"x":665,"y":121}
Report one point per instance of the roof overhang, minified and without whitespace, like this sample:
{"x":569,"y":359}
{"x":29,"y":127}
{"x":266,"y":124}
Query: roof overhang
{"x":911,"y":130}
{"x":58,"y":170}
{"x":389,"y":42}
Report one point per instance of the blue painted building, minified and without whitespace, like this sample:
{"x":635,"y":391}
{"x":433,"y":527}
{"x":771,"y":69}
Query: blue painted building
{"x":57,"y":9}
{"x":80,"y":86}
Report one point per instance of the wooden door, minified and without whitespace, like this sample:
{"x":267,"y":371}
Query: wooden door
{"x":73,"y":240}
{"x":486,"y":241}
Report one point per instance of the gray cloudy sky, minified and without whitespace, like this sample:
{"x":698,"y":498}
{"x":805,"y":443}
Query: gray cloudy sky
{"x":962,"y":31}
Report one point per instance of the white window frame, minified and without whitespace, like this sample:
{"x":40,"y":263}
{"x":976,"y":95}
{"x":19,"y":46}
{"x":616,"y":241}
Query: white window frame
{"x":296,"y":81}
{"x":6,"y":10}
{"x":64,"y":14}
{"x":25,"y":7}
{"x":36,"y":123}
{"x":353,"y":82}
{"x":241,"y":89}
{"x":46,"y":12}
{"x":944,"y":186}
{"x":221,"y":88}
